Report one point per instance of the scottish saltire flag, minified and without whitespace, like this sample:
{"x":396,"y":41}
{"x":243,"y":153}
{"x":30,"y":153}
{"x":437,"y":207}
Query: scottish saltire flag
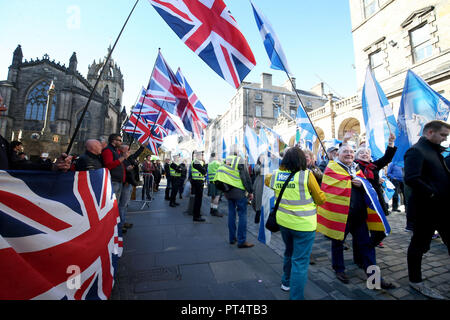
{"x":305,"y":130}
{"x":224,"y":149}
{"x":376,"y":220}
{"x":251,"y":142}
{"x":264,"y":145}
{"x":164,"y":89}
{"x":152,"y":112}
{"x":271,"y":43}
{"x":268,"y":202}
{"x":208,"y":28}
{"x":420,"y":104}
{"x":199,"y":109}
{"x":145,"y":130}
{"x":58,"y":235}
{"x":379,"y":118}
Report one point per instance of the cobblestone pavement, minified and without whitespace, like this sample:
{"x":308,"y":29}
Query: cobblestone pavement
{"x":391,"y":259}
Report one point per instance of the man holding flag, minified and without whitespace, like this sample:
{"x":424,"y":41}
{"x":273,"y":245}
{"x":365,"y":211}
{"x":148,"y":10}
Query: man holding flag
{"x":428,"y":176}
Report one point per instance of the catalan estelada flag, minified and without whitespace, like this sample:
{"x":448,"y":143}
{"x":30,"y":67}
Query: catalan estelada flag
{"x":332,"y":215}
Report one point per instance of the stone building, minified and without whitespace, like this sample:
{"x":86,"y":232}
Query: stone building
{"x":26,"y":91}
{"x":263,"y":101}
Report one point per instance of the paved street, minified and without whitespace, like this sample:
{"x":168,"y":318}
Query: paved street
{"x":168,"y":256}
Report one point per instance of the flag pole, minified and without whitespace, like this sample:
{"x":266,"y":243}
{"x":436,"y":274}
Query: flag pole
{"x":77,"y":128}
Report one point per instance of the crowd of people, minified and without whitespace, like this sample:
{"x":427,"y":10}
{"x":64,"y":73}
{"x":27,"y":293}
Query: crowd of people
{"x":328,"y":197}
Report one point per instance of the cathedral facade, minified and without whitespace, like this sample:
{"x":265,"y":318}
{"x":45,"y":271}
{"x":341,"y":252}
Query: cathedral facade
{"x":26,"y":94}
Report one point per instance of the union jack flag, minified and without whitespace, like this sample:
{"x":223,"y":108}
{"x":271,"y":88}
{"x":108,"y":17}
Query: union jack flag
{"x":208,"y":28}
{"x":52,"y":235}
{"x":164,"y":89}
{"x":149,"y":110}
{"x":146,"y":131}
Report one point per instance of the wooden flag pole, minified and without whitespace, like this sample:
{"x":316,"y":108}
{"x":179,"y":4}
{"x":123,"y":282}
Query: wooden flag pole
{"x":80,"y":121}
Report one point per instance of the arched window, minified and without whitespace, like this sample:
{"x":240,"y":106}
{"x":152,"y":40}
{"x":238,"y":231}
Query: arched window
{"x":37,"y":102}
{"x":85,"y":125}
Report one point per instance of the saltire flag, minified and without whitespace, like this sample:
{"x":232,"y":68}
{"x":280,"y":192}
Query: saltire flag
{"x":188,"y":113}
{"x":419,"y":105}
{"x":149,"y":110}
{"x":145,"y":130}
{"x":267,"y":203}
{"x":388,"y":187}
{"x":58,"y":235}
{"x":251,"y":141}
{"x":224,"y":149}
{"x":305,"y":130}
{"x":164,"y":89}
{"x":208,"y":29}
{"x":264,"y":145}
{"x":271,"y":43}
{"x":379,"y":118}
{"x":199,"y":109}
{"x":376,"y":219}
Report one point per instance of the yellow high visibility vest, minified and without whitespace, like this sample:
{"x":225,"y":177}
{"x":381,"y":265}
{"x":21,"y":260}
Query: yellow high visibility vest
{"x":212,"y":169}
{"x":173,"y":173}
{"x":229,"y":173}
{"x":196,"y":175}
{"x":297,"y":210}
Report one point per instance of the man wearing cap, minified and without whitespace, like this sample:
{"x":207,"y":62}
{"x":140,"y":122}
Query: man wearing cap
{"x":198,"y":173}
{"x":331,"y":153}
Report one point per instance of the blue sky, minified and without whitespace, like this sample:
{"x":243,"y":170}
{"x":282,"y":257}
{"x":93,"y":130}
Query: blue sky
{"x":315,"y":35}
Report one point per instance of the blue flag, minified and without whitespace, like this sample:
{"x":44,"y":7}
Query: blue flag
{"x":420,"y":104}
{"x":271,"y":42}
{"x":305,"y":130}
{"x":224,"y":149}
{"x":251,"y":142}
{"x":378,"y":116}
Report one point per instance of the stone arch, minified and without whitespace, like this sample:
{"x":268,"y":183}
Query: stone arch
{"x":349,"y":124}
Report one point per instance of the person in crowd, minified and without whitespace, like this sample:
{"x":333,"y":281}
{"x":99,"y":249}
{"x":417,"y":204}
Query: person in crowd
{"x":198,"y":174}
{"x":157,"y":175}
{"x":168,"y":179}
{"x":183,"y":178}
{"x":213,"y":192}
{"x":331,"y":153}
{"x":5,"y":150}
{"x":91,"y":159}
{"x":258,"y":187}
{"x":131,"y":165}
{"x":148,"y":169}
{"x":341,"y":187}
{"x":395,"y":175}
{"x":175,"y":177}
{"x":310,"y":165}
{"x":234,"y":180}
{"x":428,"y":176}
{"x":296,"y":216}
{"x":113,"y":160}
{"x":43,"y":159}
{"x":371,"y":170}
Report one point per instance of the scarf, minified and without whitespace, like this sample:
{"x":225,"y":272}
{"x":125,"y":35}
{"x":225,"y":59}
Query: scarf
{"x":367,"y":168}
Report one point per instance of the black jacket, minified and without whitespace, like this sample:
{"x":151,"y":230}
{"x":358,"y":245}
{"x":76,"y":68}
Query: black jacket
{"x":5,"y":154}
{"x":132,"y":177}
{"x":88,"y":161}
{"x":428,"y":177}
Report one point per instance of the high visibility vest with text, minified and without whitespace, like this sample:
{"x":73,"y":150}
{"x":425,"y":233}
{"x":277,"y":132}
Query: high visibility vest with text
{"x":229,"y":172}
{"x":297,"y":210}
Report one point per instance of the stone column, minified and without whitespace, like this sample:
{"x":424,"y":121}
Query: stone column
{"x":332,"y":115}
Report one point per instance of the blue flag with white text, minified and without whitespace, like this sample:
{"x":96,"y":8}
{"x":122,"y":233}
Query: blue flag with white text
{"x":420,"y":104}
{"x":378,"y":116}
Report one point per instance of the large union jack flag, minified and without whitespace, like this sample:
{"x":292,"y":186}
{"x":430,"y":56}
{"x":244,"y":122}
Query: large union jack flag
{"x":208,"y":28}
{"x":164,"y":89}
{"x":152,"y":112}
{"x":52,"y":235}
{"x":145,"y":131}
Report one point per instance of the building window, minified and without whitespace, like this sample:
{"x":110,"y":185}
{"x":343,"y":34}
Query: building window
{"x":37,"y":102}
{"x":420,"y":43}
{"x":258,"y":96}
{"x":85,"y":125}
{"x":293,"y":101}
{"x":293,"y":113}
{"x":276,"y":99}
{"x":376,"y":61}
{"x":370,"y":7}
{"x":276,"y":111}
{"x":258,"y":111}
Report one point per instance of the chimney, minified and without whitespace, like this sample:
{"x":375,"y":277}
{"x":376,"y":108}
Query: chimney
{"x":266,"y":81}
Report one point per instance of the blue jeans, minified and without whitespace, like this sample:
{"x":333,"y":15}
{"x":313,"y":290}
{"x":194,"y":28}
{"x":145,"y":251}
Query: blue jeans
{"x":117,"y":189}
{"x":125,"y":197}
{"x":296,"y":260}
{"x":241,"y":206}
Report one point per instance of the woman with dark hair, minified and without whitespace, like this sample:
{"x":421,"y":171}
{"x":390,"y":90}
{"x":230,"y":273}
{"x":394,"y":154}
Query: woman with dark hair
{"x":296,"y":216}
